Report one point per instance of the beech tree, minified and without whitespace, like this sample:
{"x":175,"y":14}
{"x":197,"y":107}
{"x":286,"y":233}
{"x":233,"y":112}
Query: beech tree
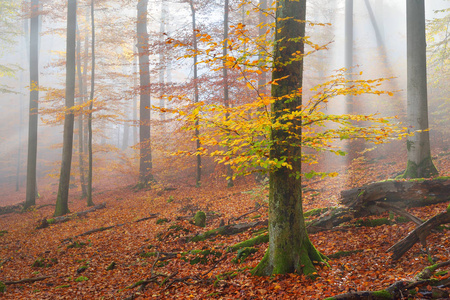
{"x":62,"y":200}
{"x":419,"y":162}
{"x":196,"y":95}
{"x":290,"y":249}
{"x":91,"y":98}
{"x":145,"y":162}
{"x":34,"y":106}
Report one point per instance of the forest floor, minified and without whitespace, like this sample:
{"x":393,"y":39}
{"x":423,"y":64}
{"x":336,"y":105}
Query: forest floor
{"x":77,"y":266}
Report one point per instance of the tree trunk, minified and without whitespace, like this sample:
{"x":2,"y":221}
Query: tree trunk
{"x":62,"y":200}
{"x":419,"y":163}
{"x":226,"y":98}
{"x":162,"y":29}
{"x":194,"y":36}
{"x":145,"y":163}
{"x":34,"y":105}
{"x":80,"y":117}
{"x":290,"y":249}
{"x":90,"y":202}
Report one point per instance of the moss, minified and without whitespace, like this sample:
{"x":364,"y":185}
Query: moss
{"x":111,"y":266}
{"x":170,"y":199}
{"x":263,"y":238}
{"x":315,"y":212}
{"x":2,"y":287}
{"x":62,"y":286}
{"x":200,"y":219}
{"x":162,"y":221}
{"x":448,"y":208}
{"x":340,"y":254}
{"x":81,"y":278}
{"x":147,"y":254}
{"x":204,"y":236}
{"x":76,"y":244}
{"x":38,"y":263}
{"x":243,"y":253}
{"x":424,"y":169}
{"x":51,"y":221}
{"x":383,"y":294}
{"x":3,"y":232}
{"x":203,"y":256}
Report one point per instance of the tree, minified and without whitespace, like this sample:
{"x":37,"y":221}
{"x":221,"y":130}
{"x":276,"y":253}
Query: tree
{"x":290,"y":249}
{"x":145,"y":162}
{"x":62,"y":200}
{"x":196,"y":133}
{"x":81,"y":99}
{"x":91,"y":99}
{"x":34,"y":106}
{"x":226,"y":98}
{"x":419,"y":162}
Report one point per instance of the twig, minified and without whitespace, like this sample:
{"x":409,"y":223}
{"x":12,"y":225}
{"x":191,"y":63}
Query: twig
{"x":26,"y":280}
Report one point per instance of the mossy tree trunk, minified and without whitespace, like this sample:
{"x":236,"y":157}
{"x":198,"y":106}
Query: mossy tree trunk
{"x":290,"y":249}
{"x":419,"y":155}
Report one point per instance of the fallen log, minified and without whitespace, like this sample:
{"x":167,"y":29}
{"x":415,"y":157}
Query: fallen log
{"x":226,"y":230}
{"x":100,"y":229}
{"x":411,"y":193}
{"x":423,"y":287}
{"x":26,"y":280}
{"x":46,"y":222}
{"x":418,"y":234}
{"x":379,"y":197}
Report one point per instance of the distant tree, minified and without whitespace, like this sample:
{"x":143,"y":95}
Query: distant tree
{"x":81,"y":98}
{"x":196,"y":94}
{"x":226,"y":98}
{"x":91,"y":98}
{"x":34,"y":106}
{"x":290,"y":249}
{"x":62,"y":200}
{"x":419,"y":162}
{"x":145,"y":162}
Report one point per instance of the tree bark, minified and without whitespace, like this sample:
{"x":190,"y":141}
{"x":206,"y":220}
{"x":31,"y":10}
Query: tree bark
{"x":226,"y":98}
{"x":196,"y":95}
{"x":290,"y":249}
{"x":34,"y":106}
{"x":419,"y":163}
{"x":80,"y":117}
{"x":62,"y":200}
{"x":145,"y":163}
{"x":89,"y":200}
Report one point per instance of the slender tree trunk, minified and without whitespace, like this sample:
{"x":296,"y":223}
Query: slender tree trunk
{"x":80,"y":117}
{"x":290,"y":249}
{"x":90,"y":202}
{"x":135,"y":110}
{"x":162,"y":29}
{"x":145,"y":164}
{"x":419,"y":154}
{"x":197,"y":131}
{"x":34,"y":106}
{"x":348,"y":65}
{"x":62,"y":200}
{"x":226,"y":98}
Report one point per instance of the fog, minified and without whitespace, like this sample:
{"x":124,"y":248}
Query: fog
{"x":115,"y":123}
